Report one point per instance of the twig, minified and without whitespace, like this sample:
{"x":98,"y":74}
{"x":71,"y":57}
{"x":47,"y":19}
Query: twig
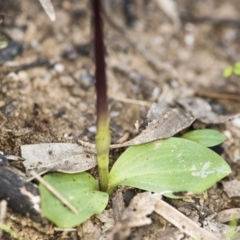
{"x":124,"y":138}
{"x":40,"y":174}
{"x":227,"y":96}
{"x":182,"y":222}
{"x":86,"y":144}
{"x":54,"y":192}
{"x":3,"y":212}
{"x":112,"y":146}
{"x":65,"y":229}
{"x":212,"y":20}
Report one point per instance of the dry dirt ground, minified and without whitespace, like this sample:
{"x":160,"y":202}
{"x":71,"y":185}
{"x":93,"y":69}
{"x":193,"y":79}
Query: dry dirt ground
{"x":47,"y":92}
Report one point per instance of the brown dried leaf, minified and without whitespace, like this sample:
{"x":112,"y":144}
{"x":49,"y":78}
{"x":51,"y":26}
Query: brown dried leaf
{"x":91,"y":231}
{"x":135,"y":215}
{"x":163,"y":122}
{"x":60,"y":157}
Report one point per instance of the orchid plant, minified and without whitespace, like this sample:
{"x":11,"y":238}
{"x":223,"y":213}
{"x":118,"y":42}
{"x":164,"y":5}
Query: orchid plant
{"x":169,"y":166}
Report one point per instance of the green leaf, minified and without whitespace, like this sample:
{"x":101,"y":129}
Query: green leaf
{"x":81,"y":190}
{"x":207,"y":137}
{"x":236,"y":68}
{"x":227,"y":72}
{"x":166,"y":166}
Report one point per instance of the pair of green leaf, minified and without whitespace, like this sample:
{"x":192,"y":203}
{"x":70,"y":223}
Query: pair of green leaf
{"x":229,"y":70}
{"x":164,"y":166}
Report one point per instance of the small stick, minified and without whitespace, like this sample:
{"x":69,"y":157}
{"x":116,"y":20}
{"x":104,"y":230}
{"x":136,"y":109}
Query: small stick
{"x":216,"y":95}
{"x":182,"y":222}
{"x":54,"y":192}
{"x":86,"y":144}
{"x":212,"y":20}
{"x":65,"y":229}
{"x":124,"y":138}
{"x":3,"y":212}
{"x":112,"y":146}
{"x":40,"y":174}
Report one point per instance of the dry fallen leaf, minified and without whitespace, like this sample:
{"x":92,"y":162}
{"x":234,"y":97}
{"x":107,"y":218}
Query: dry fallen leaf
{"x":91,"y":231}
{"x":60,"y":157}
{"x":162,"y":122}
{"x":135,"y":215}
{"x":107,"y":220}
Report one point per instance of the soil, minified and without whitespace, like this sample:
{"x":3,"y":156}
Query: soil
{"x":47,"y":90}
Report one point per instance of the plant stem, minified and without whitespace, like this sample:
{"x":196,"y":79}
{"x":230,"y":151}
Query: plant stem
{"x":103,"y":133}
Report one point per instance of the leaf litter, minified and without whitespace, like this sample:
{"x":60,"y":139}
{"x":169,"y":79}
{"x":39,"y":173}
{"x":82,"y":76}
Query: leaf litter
{"x":142,"y":205}
{"x":164,"y":121}
{"x":166,"y":61}
{"x":59,"y":157}
{"x":159,"y":125}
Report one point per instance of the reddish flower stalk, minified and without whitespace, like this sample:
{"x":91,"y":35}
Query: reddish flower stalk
{"x":103,"y":133}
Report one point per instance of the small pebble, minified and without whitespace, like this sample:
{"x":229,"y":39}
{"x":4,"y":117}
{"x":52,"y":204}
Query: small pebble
{"x":236,"y":122}
{"x":66,"y":81}
{"x":23,"y":76}
{"x":92,"y":129}
{"x":13,"y":76}
{"x":59,"y":67}
{"x":189,"y":39}
{"x":227,"y":134}
{"x":86,"y":80}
